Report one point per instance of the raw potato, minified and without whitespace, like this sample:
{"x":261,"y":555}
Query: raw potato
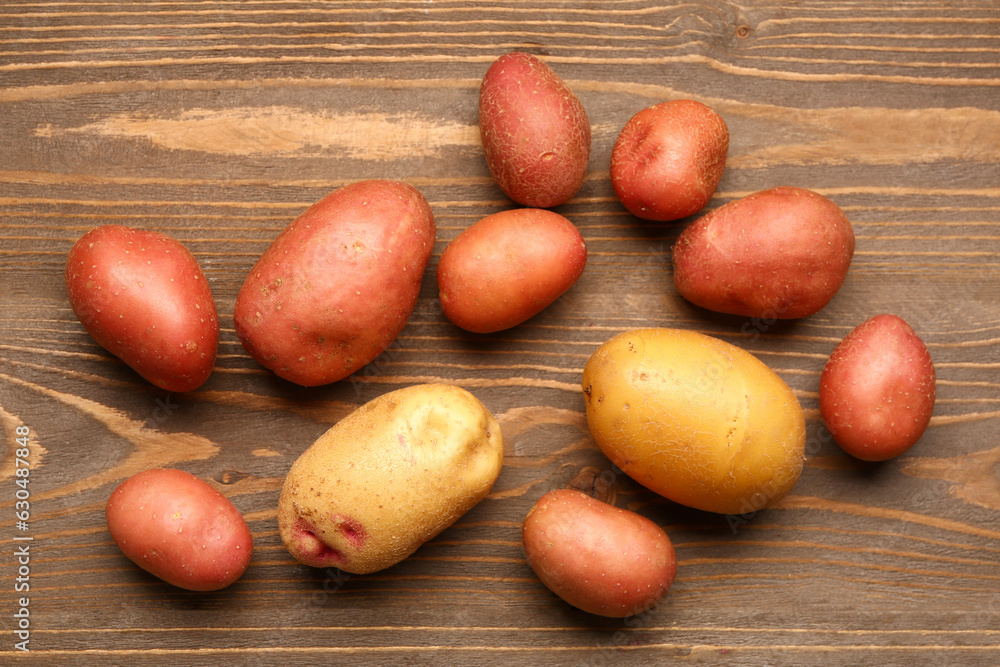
{"x":142,"y":296}
{"x":178,"y":528}
{"x":776,"y":254}
{"x":508,"y":267}
{"x":338,"y":285}
{"x":668,"y":159}
{"x":597,"y":557}
{"x":695,"y":419}
{"x":877,"y":390}
{"x":388,"y":477}
{"x":535,"y":131}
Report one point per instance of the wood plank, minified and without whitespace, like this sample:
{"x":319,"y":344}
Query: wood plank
{"x":219,"y":122}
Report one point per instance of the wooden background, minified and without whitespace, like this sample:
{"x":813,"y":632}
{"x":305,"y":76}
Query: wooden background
{"x":218,"y":122}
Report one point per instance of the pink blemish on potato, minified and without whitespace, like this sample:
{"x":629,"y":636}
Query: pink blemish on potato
{"x":351,"y":529}
{"x":312,"y":549}
{"x":407,"y":451}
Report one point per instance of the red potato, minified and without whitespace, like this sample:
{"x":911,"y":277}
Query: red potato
{"x":876,"y":392}
{"x":178,"y":528}
{"x":535,"y":131}
{"x":668,"y":160}
{"x":338,"y":285}
{"x":142,"y":296}
{"x":776,"y":254}
{"x":598,"y":557}
{"x":508,"y":267}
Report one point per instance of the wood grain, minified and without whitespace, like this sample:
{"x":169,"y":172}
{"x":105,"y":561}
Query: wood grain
{"x":218,"y":122}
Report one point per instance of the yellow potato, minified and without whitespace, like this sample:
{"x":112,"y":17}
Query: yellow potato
{"x":695,"y":419}
{"x":388,"y":477}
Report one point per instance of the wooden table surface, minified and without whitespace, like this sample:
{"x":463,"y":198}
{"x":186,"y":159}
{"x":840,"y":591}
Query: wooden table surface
{"x":218,"y":122}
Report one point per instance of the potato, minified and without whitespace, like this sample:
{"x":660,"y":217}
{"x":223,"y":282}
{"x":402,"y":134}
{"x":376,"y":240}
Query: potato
{"x":338,"y":285}
{"x":508,"y":267}
{"x":535,"y":131}
{"x":598,"y":557}
{"x":388,"y":477}
{"x":877,"y":390}
{"x":142,"y":296}
{"x":777,"y":254}
{"x":668,"y":160}
{"x":177,"y":527}
{"x":695,"y":419}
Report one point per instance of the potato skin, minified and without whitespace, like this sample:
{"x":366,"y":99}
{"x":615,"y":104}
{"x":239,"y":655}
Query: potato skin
{"x":508,"y":267}
{"x":338,"y":285}
{"x":695,"y":419}
{"x":877,"y":390}
{"x":535,"y":131}
{"x":388,"y":477}
{"x":143,"y":297}
{"x":178,"y":528}
{"x":598,"y":557}
{"x":668,"y":159}
{"x":776,"y":254}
